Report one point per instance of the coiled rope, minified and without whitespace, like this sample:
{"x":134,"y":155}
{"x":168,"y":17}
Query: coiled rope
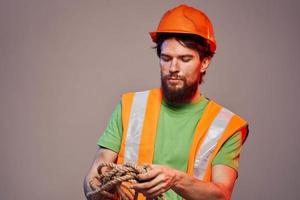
{"x":115,"y":184}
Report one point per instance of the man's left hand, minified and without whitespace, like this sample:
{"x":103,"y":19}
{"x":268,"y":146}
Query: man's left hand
{"x":156,"y":181}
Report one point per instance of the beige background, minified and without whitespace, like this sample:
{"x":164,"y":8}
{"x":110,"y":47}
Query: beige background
{"x":64,"y":65}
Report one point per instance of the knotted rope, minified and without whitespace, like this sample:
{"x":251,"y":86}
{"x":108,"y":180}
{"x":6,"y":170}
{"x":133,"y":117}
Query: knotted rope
{"x":115,"y":184}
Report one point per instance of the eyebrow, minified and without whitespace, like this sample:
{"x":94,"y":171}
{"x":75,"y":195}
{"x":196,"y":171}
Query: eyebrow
{"x":180,"y":56}
{"x":162,"y":54}
{"x":188,"y":56}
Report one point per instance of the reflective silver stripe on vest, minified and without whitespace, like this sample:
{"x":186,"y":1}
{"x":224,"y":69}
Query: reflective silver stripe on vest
{"x":214,"y":133}
{"x":136,"y":121}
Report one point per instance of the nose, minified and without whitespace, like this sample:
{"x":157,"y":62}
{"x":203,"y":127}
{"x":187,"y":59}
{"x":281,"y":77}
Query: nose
{"x":174,"y":66}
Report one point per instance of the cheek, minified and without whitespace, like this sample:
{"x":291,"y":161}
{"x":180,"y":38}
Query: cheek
{"x":163,"y":67}
{"x":192,"y":78}
{"x":192,"y":73}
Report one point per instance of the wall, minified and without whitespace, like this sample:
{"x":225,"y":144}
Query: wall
{"x":64,"y":65}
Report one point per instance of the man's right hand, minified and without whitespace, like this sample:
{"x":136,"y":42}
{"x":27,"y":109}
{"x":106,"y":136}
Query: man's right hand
{"x":102,"y":155}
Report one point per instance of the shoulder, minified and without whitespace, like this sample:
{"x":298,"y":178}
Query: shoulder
{"x":234,"y":121}
{"x":225,"y":111}
{"x":142,"y":93}
{"x":142,"y":96}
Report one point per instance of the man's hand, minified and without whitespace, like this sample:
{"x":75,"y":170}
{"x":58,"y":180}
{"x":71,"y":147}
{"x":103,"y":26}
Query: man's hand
{"x":156,"y":181}
{"x":160,"y":179}
{"x":102,"y":155}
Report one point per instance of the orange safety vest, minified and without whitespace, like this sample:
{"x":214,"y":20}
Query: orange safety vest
{"x":140,"y":114}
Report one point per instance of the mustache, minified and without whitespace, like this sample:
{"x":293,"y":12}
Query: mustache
{"x":173,"y":76}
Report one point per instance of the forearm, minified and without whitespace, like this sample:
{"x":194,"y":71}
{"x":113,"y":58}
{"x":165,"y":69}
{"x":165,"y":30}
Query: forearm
{"x":191,"y":188}
{"x":91,"y":182}
{"x":86,"y":185}
{"x":161,"y":178}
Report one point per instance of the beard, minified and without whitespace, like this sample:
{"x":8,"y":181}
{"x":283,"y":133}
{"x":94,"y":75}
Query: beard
{"x":175,"y":95}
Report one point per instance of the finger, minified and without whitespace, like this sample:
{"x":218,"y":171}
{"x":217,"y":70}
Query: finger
{"x":156,"y":190}
{"x":157,"y":193}
{"x":94,"y":183}
{"x":147,"y":185}
{"x":152,"y":167}
{"x":151,"y":186}
{"x":141,"y":187}
{"x":148,"y":175}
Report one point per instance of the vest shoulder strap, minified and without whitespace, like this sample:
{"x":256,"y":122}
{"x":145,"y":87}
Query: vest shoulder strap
{"x":140,"y":114}
{"x":214,"y":128}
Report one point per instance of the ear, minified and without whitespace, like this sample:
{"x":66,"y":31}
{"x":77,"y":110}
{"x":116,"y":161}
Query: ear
{"x":204,"y":64}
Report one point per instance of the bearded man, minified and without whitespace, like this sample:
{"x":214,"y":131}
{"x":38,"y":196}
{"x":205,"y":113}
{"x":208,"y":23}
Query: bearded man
{"x":191,"y":144}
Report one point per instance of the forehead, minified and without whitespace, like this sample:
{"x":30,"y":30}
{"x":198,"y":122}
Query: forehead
{"x":173,"y":47}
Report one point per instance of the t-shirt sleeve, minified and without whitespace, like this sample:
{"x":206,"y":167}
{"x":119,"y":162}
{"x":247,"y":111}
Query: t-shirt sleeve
{"x":229,"y":154}
{"x":112,"y":135}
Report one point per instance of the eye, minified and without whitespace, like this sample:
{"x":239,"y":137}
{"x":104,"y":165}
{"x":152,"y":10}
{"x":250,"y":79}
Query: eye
{"x":186,"y":58}
{"x":165,"y":58}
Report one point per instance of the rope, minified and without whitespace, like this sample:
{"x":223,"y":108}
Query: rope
{"x":116,"y":183}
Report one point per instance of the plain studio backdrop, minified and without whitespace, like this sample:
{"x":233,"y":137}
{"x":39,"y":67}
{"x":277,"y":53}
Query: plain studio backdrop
{"x":64,"y":65}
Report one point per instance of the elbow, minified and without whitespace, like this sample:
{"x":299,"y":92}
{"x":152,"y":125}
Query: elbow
{"x":86,"y":185}
{"x":85,"y":189}
{"x":221,"y":193}
{"x":221,"y":196}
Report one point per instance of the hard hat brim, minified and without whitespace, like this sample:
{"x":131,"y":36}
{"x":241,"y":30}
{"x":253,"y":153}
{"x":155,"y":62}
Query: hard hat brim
{"x":154,"y":34}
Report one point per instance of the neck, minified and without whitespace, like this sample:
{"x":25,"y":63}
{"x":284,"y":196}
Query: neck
{"x":196,"y":96}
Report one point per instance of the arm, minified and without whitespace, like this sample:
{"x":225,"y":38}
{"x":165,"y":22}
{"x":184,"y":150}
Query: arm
{"x":224,"y":173}
{"x":102,"y":155}
{"x":223,"y":179}
{"x":160,"y":179}
{"x":109,"y":143}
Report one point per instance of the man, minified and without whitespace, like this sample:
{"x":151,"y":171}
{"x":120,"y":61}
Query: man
{"x":192,"y":143}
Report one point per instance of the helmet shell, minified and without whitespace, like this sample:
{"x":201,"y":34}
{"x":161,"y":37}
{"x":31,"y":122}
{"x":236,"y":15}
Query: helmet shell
{"x":186,"y":20}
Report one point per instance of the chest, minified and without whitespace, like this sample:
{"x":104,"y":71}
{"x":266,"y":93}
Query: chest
{"x":174,"y":136}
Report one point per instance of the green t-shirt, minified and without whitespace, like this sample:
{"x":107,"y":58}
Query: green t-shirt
{"x":175,"y":133}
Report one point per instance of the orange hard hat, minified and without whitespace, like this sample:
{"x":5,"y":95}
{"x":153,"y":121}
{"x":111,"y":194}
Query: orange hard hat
{"x":186,"y":20}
